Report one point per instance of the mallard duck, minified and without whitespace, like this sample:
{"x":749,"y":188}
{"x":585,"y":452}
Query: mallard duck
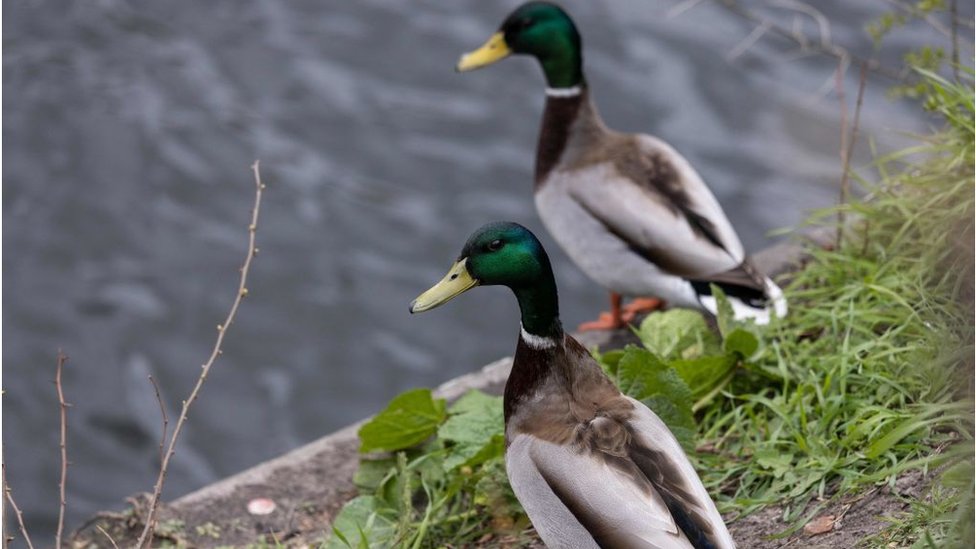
{"x":591,"y":466}
{"x":628,"y":209}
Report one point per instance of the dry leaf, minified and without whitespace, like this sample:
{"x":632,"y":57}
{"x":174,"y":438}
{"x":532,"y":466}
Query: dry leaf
{"x":819,"y":525}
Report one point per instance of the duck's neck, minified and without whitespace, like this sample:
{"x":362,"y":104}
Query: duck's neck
{"x":569,"y":118}
{"x":563,"y":62}
{"x":539,"y":305}
{"x":540,"y":340}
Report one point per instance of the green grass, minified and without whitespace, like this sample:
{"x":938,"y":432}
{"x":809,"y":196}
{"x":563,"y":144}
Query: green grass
{"x":871,"y":371}
{"x":869,"y":376}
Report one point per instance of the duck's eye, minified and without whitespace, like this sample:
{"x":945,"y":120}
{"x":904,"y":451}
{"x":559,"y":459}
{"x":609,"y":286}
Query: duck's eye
{"x":524,"y":23}
{"x":495,"y":245}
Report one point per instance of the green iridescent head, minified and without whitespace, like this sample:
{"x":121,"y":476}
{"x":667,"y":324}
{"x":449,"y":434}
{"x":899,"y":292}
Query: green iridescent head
{"x":505,"y":254}
{"x":539,"y":29}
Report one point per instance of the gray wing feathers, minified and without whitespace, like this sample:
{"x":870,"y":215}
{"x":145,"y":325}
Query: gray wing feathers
{"x":700,"y":197}
{"x":575,"y":500}
{"x":681,"y":480}
{"x":647,"y":218}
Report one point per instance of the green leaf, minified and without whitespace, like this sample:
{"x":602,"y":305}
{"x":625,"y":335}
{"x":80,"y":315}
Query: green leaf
{"x":363,"y":522}
{"x":894,"y":436}
{"x":725,"y":316}
{"x":705,"y":373}
{"x":610,"y":360}
{"x":643,"y":376}
{"x":774,"y":460}
{"x":494,"y":492}
{"x":474,"y":430}
{"x":959,"y":476}
{"x":408,"y":420}
{"x":677,"y":416}
{"x":372,"y":473}
{"x":637,"y":372}
{"x":678,"y":333}
{"x":474,"y":454}
{"x":741,"y":342}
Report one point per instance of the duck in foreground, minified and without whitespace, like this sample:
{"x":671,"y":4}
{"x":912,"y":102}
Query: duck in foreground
{"x":591,"y":466}
{"x":627,"y":208}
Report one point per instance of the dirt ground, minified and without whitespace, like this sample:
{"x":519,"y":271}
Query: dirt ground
{"x":302,"y":523}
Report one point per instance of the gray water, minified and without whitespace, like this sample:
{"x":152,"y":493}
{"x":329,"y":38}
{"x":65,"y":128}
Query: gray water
{"x":129,"y":129}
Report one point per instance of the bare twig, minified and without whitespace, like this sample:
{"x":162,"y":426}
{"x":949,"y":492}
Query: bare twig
{"x":914,"y":11}
{"x":823,"y":25}
{"x":954,"y":11}
{"x":844,"y":151}
{"x":824,"y":45}
{"x":62,"y":503}
{"x":748,"y":41}
{"x":682,"y":7}
{"x":106,"y":534}
{"x":8,"y":493}
{"x":162,"y":411}
{"x":146,"y":537}
{"x":7,"y":538}
{"x":849,"y":151}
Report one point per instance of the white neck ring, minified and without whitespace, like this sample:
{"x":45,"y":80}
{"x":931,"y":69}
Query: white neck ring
{"x":572,"y":91}
{"x":537,"y":342}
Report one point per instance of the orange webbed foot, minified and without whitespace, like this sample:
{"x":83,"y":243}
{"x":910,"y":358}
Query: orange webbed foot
{"x":640,"y":305}
{"x":605,"y":321}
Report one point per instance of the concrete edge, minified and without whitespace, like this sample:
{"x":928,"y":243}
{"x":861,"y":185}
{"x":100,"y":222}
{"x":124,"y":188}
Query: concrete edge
{"x":492,"y":375}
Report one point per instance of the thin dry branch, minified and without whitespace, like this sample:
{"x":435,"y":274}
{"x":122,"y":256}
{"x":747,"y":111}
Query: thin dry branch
{"x":824,"y":45}
{"x":162,"y":412}
{"x":146,"y":537}
{"x":914,"y":11}
{"x":847,"y":145}
{"x":844,"y":151}
{"x":748,"y":41}
{"x":63,"y":502}
{"x":106,"y":534}
{"x":954,"y":11}
{"x":682,"y":7}
{"x":8,"y":493}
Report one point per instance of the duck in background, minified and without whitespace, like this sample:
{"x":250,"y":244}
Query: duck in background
{"x":628,"y":209}
{"x":591,"y":466}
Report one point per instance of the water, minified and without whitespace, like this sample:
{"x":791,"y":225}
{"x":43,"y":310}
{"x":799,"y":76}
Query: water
{"x":129,"y":129}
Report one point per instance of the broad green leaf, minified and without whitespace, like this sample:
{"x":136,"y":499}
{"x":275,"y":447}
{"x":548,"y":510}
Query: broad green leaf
{"x":408,"y":420}
{"x":363,"y":522}
{"x":430,"y":463}
{"x":705,"y":373}
{"x":677,"y":416}
{"x":473,"y":429}
{"x":609,"y":361}
{"x":637,"y":372}
{"x":474,"y":454}
{"x":643,"y":376}
{"x":741,"y":342}
{"x":372,"y":472}
{"x":678,"y":333}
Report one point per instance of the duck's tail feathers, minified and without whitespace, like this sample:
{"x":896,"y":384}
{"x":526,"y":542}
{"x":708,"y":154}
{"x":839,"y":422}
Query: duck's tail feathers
{"x":776,"y":298}
{"x":747,"y":303}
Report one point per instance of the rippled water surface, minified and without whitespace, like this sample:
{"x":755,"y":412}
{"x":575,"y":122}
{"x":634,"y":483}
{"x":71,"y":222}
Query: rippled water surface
{"x":128,"y":131}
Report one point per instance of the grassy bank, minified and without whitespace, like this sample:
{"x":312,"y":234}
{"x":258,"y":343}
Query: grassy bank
{"x":870,"y":376}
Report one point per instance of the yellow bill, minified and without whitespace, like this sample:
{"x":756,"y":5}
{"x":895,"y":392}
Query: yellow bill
{"x":495,"y":49}
{"x":457,"y":281}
